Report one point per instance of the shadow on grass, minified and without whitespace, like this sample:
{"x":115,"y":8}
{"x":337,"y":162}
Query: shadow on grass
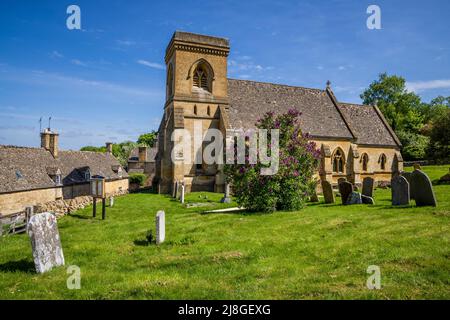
{"x":23,"y":265}
{"x":80,"y":216}
{"x":141,"y":243}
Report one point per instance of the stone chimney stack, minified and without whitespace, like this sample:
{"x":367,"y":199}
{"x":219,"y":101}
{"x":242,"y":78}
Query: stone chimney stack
{"x":49,"y":141}
{"x":109,"y":148}
{"x":142,"y":154}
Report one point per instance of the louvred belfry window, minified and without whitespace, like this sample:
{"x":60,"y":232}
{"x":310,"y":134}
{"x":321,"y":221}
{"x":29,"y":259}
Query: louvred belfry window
{"x":201,"y":78}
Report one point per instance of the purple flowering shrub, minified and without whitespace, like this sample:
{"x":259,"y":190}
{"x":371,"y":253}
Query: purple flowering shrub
{"x":290,"y":187}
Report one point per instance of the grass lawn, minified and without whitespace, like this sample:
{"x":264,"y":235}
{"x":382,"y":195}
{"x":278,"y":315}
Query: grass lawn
{"x":320,"y":252}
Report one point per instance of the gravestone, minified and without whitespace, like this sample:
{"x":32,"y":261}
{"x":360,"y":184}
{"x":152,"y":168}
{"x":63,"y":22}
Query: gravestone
{"x":328,"y":193}
{"x":367,"y":188}
{"x":182,"y":194}
{"x":340,"y":180}
{"x":445,"y":179}
{"x":175,"y":189}
{"x":354,"y":198}
{"x":345,"y":189}
{"x":226,"y":197}
{"x":45,"y":242}
{"x":367,"y":200}
{"x":400,"y":191}
{"x":408,"y":177}
{"x":423,"y":189}
{"x":111,"y":202}
{"x":314,"y":197}
{"x":160,"y":227}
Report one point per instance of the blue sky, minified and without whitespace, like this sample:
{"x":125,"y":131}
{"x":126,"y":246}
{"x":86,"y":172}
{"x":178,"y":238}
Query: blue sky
{"x":106,"y":81}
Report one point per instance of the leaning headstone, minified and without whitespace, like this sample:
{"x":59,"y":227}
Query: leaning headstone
{"x":226,"y":197}
{"x":45,"y":242}
{"x":345,"y":189}
{"x":400,"y":191}
{"x":111,"y":201}
{"x":182,"y":194}
{"x":160,"y":227}
{"x":423,"y":189}
{"x":367,"y":188}
{"x":328,"y":193}
{"x":354,"y":198}
{"x":367,"y":200}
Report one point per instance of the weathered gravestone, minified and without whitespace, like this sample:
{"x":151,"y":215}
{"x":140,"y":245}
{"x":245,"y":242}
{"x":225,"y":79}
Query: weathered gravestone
{"x":367,"y":200}
{"x":328,"y":193}
{"x":423,"y":189}
{"x":226,"y":197}
{"x":111,"y":202}
{"x":367,"y":188}
{"x":354,"y":198}
{"x":408,"y":177}
{"x":182,"y":194}
{"x":340,"y":180}
{"x":160,"y":227}
{"x":45,"y":242}
{"x":345,"y":189}
{"x":400,"y":191}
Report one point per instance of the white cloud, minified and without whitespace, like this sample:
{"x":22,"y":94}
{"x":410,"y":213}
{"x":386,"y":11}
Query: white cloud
{"x":341,"y":68}
{"x":56,"y":54}
{"x":78,"y":63}
{"x":153,"y":65}
{"x":126,"y":43}
{"x":419,"y":86}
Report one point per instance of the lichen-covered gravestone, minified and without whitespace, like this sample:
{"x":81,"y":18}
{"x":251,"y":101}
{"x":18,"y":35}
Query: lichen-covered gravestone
{"x":45,"y":242}
{"x":327,"y":192}
{"x":160,"y":227}
{"x":400,"y":191}
{"x":367,"y":188}
{"x":354,"y":198}
{"x":345,"y":189}
{"x":367,"y":200}
{"x":423,"y":189}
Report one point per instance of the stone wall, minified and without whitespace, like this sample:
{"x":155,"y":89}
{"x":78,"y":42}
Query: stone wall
{"x":18,"y":201}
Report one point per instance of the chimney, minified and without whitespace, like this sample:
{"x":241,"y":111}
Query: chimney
{"x":142,"y":154}
{"x":109,"y":148}
{"x":49,"y":141}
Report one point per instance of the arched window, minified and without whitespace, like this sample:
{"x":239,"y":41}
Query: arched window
{"x":202,"y":76}
{"x":338,"y":161}
{"x":382,"y":161}
{"x":365,"y":161}
{"x":170,"y":81}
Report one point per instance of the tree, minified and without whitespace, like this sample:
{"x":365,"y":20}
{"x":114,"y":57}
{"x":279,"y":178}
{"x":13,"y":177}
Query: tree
{"x":440,"y":137}
{"x":289,"y":188}
{"x":121,"y":151}
{"x":148,"y":139}
{"x":400,"y":107}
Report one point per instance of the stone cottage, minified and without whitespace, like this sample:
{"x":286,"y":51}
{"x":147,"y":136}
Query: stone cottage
{"x":356,"y":140}
{"x":53,"y":177}
{"x":142,"y":160}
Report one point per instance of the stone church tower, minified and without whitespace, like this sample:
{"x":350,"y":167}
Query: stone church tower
{"x":196,"y":95}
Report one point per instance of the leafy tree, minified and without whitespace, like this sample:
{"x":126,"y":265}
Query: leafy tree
{"x":93,"y":149}
{"x":148,"y":139}
{"x":290,"y":187}
{"x":414,"y":145}
{"x":121,"y":151}
{"x":440,"y":137}
{"x":400,"y":107}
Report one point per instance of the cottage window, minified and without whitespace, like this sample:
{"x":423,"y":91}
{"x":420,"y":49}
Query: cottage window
{"x":338,"y":161}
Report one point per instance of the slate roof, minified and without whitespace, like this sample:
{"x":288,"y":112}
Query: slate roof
{"x":24,"y":168}
{"x":369,"y":125}
{"x":250,"y":100}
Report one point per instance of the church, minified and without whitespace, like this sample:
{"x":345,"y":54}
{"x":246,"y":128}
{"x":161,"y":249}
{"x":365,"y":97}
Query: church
{"x":355,"y":140}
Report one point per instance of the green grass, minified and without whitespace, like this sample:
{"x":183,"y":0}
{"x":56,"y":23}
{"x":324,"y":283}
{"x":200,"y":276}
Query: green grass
{"x":322,"y":251}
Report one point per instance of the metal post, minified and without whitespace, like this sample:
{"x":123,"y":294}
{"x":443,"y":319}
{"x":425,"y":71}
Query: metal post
{"x":94,"y":208}
{"x":103,"y":208}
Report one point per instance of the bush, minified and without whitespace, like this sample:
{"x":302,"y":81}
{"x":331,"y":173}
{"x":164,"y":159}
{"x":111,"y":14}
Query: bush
{"x":291,"y":186}
{"x":414,"y":146}
{"x":138,"y":178}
